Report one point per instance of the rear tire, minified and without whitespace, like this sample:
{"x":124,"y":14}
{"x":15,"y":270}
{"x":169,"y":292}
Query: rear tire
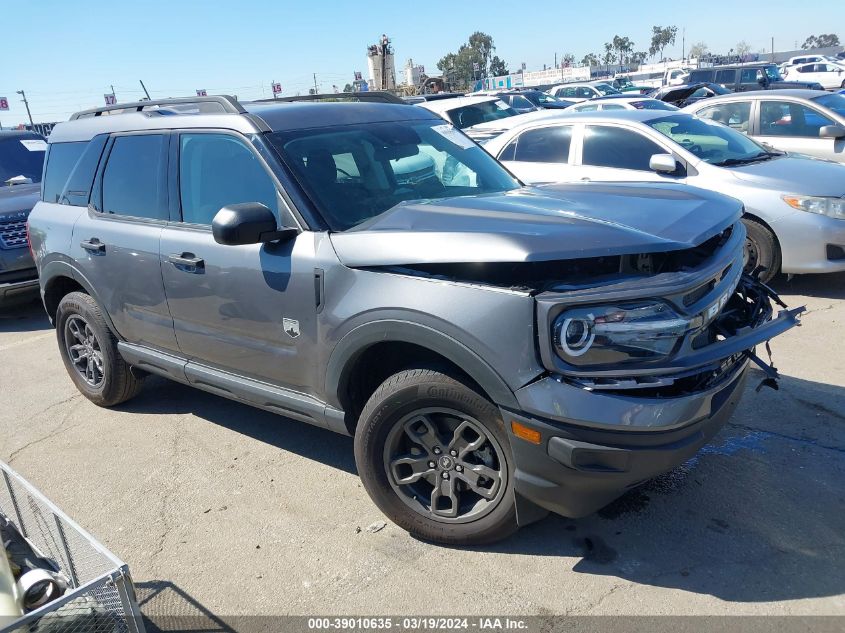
{"x":761,"y":249}
{"x":433,"y":454}
{"x":89,"y":352}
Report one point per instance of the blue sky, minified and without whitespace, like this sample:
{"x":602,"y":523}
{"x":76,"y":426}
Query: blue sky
{"x":66,"y":53}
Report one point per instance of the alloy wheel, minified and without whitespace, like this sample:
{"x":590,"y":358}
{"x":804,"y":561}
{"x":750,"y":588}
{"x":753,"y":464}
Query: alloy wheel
{"x":83,"y":349}
{"x":445,"y":465}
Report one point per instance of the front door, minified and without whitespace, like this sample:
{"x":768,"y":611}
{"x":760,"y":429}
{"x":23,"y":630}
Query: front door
{"x":794,"y":127}
{"x":251,"y":309}
{"x":613,"y":153}
{"x":116,"y":243}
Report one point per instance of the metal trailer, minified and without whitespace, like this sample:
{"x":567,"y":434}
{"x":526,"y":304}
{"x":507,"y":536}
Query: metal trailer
{"x":100,"y":596}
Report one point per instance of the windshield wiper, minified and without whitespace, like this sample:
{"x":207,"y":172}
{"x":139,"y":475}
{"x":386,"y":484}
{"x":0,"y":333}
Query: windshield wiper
{"x":748,"y":159}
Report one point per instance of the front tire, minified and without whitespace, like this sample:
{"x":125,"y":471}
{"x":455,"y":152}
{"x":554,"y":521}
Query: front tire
{"x":89,"y":351}
{"x":761,"y":249}
{"x":434,"y":456}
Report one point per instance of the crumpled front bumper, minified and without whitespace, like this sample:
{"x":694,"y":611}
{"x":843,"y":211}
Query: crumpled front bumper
{"x":596,"y":443}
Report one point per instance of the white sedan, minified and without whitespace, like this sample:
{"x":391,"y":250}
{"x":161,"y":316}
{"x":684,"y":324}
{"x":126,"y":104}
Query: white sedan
{"x":795,"y":206}
{"x":480,"y":117}
{"x":828,"y":74}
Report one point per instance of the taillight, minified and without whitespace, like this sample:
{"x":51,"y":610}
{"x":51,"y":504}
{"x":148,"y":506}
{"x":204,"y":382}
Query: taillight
{"x":29,"y":241}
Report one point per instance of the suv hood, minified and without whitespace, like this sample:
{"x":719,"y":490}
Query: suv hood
{"x":18,"y":198}
{"x":795,"y":173}
{"x":552,"y":222}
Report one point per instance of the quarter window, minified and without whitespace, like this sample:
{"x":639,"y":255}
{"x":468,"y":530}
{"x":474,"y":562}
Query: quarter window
{"x":60,"y":162}
{"x":545,"y":145}
{"x":606,"y":146}
{"x":216,"y":170}
{"x":134,"y":178}
{"x":726,"y":77}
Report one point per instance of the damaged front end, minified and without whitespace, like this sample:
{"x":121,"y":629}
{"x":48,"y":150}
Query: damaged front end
{"x":663,"y":335}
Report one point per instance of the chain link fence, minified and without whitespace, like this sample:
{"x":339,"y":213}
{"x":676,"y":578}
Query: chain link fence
{"x":99,"y":598}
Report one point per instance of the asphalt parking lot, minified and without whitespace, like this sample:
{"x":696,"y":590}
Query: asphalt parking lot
{"x":222,"y":510}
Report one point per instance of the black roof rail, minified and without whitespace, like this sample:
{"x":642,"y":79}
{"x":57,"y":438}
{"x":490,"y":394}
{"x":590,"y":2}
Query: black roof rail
{"x":379,"y":96}
{"x":228,"y":105}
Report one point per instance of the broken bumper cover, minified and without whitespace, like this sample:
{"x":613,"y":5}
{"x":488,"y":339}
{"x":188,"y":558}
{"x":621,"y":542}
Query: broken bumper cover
{"x":583,"y":463}
{"x":597,"y":442}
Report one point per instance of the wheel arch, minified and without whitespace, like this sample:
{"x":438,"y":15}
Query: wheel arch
{"x":59,"y":278}
{"x":353,"y":356}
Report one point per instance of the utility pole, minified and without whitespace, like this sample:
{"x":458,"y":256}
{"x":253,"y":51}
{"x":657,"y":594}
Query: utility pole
{"x":112,"y":92}
{"x":144,"y":87}
{"x":773,"y":49}
{"x":683,"y":44}
{"x":316,"y":91}
{"x":26,"y":103}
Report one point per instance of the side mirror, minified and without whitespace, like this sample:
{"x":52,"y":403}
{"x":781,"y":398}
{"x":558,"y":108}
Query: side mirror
{"x":663,"y":163}
{"x":247,"y":223}
{"x":832,"y":131}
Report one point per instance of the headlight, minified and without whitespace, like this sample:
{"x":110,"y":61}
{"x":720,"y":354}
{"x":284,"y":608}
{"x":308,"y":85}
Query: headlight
{"x":833,"y":207}
{"x":625,"y":333}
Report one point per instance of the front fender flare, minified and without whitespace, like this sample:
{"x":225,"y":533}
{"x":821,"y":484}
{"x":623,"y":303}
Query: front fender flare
{"x":355,"y":342}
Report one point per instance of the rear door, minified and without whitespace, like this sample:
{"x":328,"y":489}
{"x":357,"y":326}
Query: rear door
{"x":251,"y":309}
{"x":541,"y":154}
{"x":116,"y":242}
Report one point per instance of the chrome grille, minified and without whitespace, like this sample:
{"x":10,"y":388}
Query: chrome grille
{"x":13,"y":234}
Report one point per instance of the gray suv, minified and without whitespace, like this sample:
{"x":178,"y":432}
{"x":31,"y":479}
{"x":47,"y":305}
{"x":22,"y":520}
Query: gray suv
{"x":496,"y":351}
{"x":21,"y":163}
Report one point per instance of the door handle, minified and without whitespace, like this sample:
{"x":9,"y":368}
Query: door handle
{"x":188,"y":261}
{"x":585,"y":179}
{"x":94,"y":245}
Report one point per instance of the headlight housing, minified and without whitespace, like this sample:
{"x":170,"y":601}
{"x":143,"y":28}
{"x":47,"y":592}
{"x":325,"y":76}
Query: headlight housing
{"x":624,"y":333}
{"x":831,"y":207}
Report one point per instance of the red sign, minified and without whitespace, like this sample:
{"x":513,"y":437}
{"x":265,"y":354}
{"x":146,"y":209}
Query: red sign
{"x":202,"y":93}
{"x":4,"y":103}
{"x":277,"y":88}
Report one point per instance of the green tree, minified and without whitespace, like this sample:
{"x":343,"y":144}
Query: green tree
{"x":623,"y":46}
{"x":661,"y":37}
{"x":639,"y":57}
{"x":459,"y":68}
{"x":348,"y":88}
{"x":697,"y":50}
{"x":568,"y":59}
{"x":742,"y":49}
{"x":498,"y":67}
{"x":821,"y":41}
{"x":609,"y":55}
{"x":590,"y":59}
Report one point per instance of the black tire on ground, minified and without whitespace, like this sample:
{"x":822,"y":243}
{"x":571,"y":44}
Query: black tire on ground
{"x":761,"y":249}
{"x":112,"y":381}
{"x":390,"y":412}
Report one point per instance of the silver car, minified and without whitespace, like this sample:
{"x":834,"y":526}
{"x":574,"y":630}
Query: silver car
{"x":806,"y":121}
{"x":795,"y":205}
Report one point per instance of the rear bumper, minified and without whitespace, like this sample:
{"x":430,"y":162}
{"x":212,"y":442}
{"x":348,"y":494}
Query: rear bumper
{"x":586,"y":461}
{"x":23,"y":284}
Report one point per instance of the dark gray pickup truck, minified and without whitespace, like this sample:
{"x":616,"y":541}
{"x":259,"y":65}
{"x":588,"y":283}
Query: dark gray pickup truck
{"x":21,"y":164}
{"x":497,"y":351}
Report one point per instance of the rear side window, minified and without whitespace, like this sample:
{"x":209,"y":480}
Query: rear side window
{"x":545,"y":145}
{"x":134,"y":177}
{"x":726,"y":77}
{"x":61,"y":159}
{"x":697,"y":76}
{"x":606,"y":146}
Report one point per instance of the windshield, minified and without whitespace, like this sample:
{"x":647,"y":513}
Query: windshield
{"x":712,"y":142}
{"x":622,"y":82}
{"x":22,"y":156}
{"x":482,"y":112}
{"x":356,"y":172}
{"x":835,"y":102}
{"x":541,"y":98}
{"x":653,"y":104}
{"x":606,"y":89}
